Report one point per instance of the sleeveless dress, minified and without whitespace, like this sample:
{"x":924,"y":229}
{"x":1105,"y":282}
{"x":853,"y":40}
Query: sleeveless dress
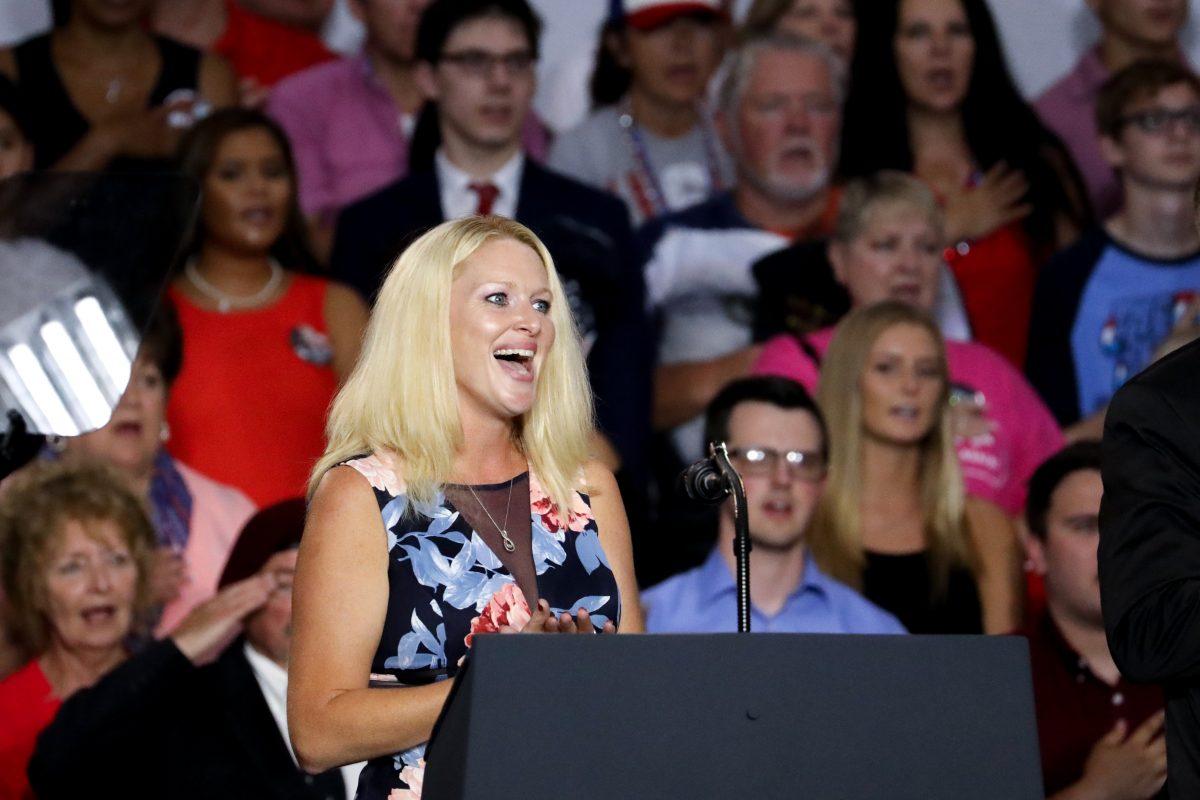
{"x":57,"y":125}
{"x":248,"y":408}
{"x":445,"y":585}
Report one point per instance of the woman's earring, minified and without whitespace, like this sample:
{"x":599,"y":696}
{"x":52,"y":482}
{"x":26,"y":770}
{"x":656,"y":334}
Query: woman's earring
{"x":165,"y":434}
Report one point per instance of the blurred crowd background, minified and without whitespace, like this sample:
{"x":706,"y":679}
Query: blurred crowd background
{"x":898,"y":254}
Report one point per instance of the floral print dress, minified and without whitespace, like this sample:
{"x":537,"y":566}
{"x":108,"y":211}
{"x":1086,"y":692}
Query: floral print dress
{"x":446,"y":585}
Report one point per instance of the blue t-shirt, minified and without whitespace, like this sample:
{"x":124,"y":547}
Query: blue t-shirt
{"x":704,"y":600}
{"x":1100,"y":311}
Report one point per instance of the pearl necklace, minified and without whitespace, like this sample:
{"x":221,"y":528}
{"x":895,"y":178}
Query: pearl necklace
{"x":227,"y":302}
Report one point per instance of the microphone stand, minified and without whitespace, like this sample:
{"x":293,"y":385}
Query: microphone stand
{"x":741,"y":541}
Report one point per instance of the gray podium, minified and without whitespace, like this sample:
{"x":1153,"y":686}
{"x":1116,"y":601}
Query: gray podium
{"x":739,"y":716}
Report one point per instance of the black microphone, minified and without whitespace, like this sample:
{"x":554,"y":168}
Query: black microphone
{"x":704,"y":482}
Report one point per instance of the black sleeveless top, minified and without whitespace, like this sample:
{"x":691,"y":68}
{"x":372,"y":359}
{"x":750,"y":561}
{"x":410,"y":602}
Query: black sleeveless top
{"x":56,"y":124}
{"x":447,"y":584}
{"x":902,"y":584}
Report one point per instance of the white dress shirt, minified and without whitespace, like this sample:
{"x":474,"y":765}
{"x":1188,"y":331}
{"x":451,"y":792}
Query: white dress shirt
{"x":459,"y":200}
{"x":272,"y":680}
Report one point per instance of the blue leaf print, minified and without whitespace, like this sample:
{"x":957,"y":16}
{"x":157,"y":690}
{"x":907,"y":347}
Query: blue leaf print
{"x":589,"y":550}
{"x":475,"y":590}
{"x":483,"y":554}
{"x":429,"y":566}
{"x":546,"y":548}
{"x":463,"y":592}
{"x":393,"y":511}
{"x":591,"y":603}
{"x":599,"y":621}
{"x":408,"y":655}
{"x":409,"y":757}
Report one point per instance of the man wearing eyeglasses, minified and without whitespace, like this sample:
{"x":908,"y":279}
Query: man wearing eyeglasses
{"x":777,"y":441}
{"x":1130,"y":30}
{"x":1105,"y":305}
{"x":475,"y":64}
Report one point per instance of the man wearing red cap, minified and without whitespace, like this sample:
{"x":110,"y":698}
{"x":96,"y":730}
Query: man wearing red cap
{"x":651,"y":140}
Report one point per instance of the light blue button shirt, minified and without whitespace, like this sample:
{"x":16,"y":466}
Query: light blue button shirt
{"x":704,"y":600}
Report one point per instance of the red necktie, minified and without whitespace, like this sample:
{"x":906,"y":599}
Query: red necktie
{"x":487,"y":196}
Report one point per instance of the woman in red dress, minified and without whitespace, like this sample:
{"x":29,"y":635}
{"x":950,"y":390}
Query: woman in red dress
{"x":265,"y":343}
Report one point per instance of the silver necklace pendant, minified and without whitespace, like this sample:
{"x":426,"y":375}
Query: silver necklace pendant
{"x":508,"y":543}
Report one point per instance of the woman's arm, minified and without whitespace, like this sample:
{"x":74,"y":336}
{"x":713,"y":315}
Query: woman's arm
{"x":346,"y":318}
{"x":999,"y":574}
{"x":339,"y":604}
{"x":614,"y":538}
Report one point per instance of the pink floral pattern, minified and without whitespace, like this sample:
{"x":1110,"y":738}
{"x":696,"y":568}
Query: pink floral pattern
{"x":507,"y":608}
{"x":415,"y":778}
{"x":578,"y":515}
{"x":379,"y":472}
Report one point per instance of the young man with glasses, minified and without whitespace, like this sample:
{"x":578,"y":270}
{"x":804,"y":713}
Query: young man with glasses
{"x":1130,"y":30}
{"x":776,"y":436}
{"x":476,"y":65}
{"x":1103,"y":306}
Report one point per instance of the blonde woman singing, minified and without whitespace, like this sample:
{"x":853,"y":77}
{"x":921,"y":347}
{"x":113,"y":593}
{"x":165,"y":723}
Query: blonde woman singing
{"x":894,"y":520}
{"x":456,"y":497}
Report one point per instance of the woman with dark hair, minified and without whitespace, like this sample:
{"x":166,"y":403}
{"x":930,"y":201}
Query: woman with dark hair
{"x":931,"y":94}
{"x":102,"y":90}
{"x":650,"y":140}
{"x":265,"y":344}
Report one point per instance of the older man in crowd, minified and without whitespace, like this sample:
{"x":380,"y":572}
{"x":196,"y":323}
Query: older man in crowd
{"x":779,"y":114}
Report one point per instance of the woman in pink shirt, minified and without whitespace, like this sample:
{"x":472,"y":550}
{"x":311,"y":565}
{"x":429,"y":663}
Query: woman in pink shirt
{"x":887,"y":246}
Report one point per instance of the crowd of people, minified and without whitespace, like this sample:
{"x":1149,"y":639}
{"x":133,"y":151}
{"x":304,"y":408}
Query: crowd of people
{"x":835,"y":237}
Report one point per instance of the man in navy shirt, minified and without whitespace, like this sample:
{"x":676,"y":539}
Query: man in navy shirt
{"x":777,"y":441}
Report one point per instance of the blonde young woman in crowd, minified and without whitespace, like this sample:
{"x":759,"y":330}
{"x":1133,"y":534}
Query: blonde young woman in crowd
{"x":456,"y":497}
{"x":894,"y":520}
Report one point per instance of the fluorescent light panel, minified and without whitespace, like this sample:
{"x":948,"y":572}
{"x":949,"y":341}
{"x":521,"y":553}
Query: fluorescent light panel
{"x":37,"y":383}
{"x":104,"y":340}
{"x":76,"y":373}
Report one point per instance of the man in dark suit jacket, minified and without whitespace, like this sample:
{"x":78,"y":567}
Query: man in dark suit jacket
{"x":161,"y":725}
{"x":1150,"y":546}
{"x":476,"y":62}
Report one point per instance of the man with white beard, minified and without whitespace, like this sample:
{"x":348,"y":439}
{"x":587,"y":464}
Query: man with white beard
{"x":779,"y":113}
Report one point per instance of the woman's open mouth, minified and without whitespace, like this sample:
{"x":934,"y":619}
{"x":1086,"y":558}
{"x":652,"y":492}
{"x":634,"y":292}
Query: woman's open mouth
{"x":516,"y":362}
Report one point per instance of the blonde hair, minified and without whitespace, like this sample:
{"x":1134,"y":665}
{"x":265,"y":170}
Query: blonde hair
{"x":836,"y":534}
{"x":888,"y":188}
{"x":402,"y":398}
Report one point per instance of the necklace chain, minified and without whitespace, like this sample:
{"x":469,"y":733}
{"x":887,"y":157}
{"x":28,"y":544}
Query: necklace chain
{"x":227,"y":302}
{"x":509,"y":545}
